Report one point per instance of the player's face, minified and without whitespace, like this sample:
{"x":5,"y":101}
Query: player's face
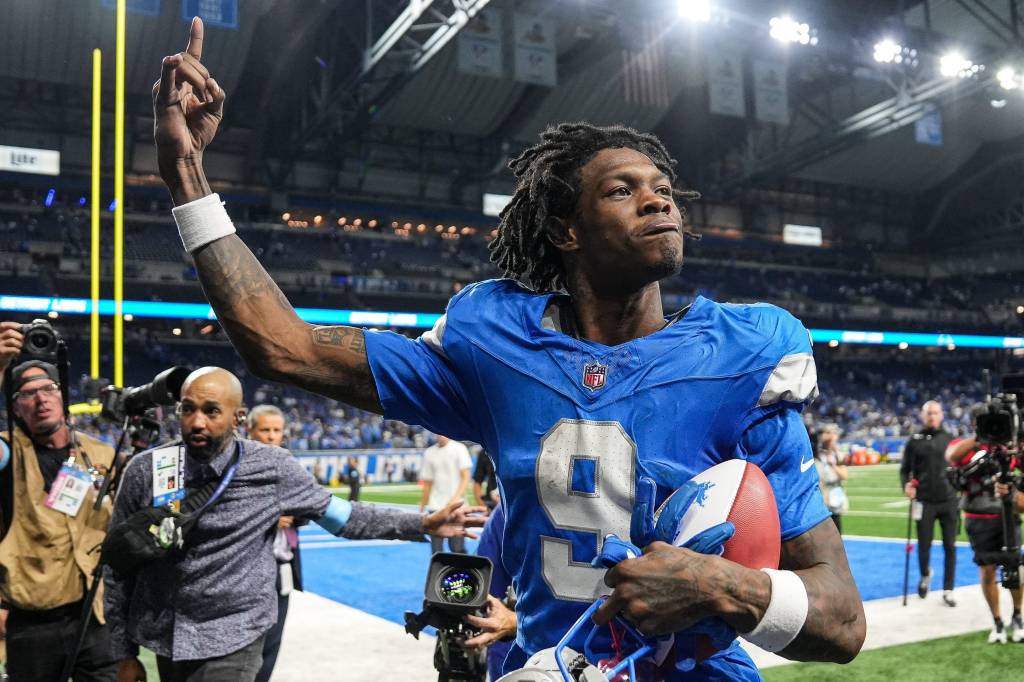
{"x":627,"y":227}
{"x":269,"y":429}
{"x":38,"y":405}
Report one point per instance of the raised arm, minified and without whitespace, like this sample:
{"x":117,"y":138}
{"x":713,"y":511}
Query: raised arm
{"x":188,"y":106}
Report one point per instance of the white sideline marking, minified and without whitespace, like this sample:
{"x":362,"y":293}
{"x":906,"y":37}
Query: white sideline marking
{"x":900,"y":541}
{"x":324,"y":640}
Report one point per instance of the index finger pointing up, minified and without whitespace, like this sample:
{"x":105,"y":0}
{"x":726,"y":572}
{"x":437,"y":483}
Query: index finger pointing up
{"x":195,"y":39}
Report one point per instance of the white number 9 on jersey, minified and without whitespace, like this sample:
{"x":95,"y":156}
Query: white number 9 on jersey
{"x":585,"y":482}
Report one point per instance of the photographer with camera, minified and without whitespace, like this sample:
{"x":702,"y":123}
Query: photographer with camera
{"x":191,"y":540}
{"x":923,"y":476}
{"x":49,"y":475}
{"x":982,"y":501}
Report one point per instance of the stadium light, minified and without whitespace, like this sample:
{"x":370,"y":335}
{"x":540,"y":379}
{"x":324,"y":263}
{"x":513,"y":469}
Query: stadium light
{"x":788,"y":30}
{"x":1008,"y":78}
{"x":694,"y":10}
{"x":888,"y":51}
{"x":955,"y":65}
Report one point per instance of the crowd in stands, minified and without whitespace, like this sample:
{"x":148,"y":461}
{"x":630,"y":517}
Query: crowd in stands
{"x":374,"y":268}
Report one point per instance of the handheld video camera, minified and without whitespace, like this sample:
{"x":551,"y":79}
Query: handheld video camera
{"x":457,"y":585}
{"x":998,"y":433}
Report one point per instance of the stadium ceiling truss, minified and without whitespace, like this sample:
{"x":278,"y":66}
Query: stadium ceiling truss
{"x":770,"y":153}
{"x":343,"y":105}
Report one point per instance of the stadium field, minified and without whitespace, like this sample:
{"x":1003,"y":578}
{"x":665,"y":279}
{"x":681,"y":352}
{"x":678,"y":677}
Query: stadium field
{"x":966,"y":657}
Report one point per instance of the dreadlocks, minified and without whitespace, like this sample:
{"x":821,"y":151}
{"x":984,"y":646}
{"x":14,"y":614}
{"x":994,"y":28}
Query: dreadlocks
{"x":548,"y":187}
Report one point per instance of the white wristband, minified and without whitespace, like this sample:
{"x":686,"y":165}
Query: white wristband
{"x":202,"y":221}
{"x":785,"y":615}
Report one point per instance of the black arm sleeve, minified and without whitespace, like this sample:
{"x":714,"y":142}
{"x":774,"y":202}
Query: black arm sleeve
{"x":907,"y":464}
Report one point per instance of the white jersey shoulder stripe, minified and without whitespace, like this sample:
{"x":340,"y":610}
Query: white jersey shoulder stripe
{"x":434,"y":337}
{"x":794,"y":379}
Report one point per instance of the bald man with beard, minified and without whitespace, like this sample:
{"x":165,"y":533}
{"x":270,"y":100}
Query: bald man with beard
{"x":206,"y":609}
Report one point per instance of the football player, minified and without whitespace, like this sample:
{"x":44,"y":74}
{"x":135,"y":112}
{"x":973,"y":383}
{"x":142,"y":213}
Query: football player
{"x":570,"y":374}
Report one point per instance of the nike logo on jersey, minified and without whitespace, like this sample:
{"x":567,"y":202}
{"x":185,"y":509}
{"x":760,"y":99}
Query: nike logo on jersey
{"x":804,"y":466}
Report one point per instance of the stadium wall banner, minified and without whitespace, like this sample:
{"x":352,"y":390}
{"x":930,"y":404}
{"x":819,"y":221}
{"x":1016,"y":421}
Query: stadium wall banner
{"x":29,"y":160}
{"x":219,"y":13}
{"x":479,"y":47}
{"x":535,"y":56}
{"x":771,"y":94}
{"x":725,"y":84}
{"x":928,"y":129}
{"x":329,"y":465}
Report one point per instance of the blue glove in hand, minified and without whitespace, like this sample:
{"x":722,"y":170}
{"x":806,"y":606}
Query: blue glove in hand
{"x":645,"y":529}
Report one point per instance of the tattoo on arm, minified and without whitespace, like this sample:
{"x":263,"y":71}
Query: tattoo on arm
{"x":271,"y":338}
{"x":340,"y":337}
{"x":835,"y":625}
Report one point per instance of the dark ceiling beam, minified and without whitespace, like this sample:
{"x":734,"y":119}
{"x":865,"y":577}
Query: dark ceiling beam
{"x":988,"y":161}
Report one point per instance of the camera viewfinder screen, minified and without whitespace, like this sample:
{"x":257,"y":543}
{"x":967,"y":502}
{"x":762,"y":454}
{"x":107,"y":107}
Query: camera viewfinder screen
{"x":458,"y":586}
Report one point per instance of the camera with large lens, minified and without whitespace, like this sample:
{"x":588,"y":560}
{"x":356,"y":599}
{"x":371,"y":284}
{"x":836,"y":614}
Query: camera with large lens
{"x":165,"y":389}
{"x":457,"y":585}
{"x":41,"y":342}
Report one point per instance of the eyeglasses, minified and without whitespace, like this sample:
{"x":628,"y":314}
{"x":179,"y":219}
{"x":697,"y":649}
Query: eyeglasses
{"x":48,"y":390}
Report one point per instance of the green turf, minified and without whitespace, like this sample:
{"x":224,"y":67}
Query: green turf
{"x":391,"y":494}
{"x":952,"y":659}
{"x":877,"y":505}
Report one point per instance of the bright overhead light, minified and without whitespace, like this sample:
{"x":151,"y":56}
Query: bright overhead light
{"x":888,"y":51}
{"x":694,"y":10}
{"x":788,"y":30}
{"x":1020,"y":310}
{"x":997,"y":103}
{"x":955,"y":65}
{"x":1008,"y":78}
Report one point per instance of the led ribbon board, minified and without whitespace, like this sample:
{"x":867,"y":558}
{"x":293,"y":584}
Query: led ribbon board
{"x":378,"y":318}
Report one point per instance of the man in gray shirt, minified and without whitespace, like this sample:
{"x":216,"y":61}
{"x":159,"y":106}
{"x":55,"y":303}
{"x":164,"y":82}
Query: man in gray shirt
{"x":205,"y":612}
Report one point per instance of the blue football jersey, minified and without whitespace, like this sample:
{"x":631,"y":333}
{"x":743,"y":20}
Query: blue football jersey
{"x":571,"y":425}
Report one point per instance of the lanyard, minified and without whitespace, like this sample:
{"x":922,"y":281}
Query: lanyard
{"x":224,"y":480}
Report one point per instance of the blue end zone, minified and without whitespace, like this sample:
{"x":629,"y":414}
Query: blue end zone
{"x":377,"y":576}
{"x":878,"y":567}
{"x":386,"y":578}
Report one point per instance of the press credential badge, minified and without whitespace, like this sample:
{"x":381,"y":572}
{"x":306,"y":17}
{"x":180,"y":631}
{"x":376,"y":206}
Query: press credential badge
{"x":168,"y":476}
{"x":69,"y":490}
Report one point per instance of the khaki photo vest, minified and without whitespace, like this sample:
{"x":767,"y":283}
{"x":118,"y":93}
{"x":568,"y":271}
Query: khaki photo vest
{"x":47,"y":557}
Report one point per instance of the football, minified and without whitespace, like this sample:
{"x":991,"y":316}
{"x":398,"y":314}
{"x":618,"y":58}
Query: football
{"x":735,"y":491}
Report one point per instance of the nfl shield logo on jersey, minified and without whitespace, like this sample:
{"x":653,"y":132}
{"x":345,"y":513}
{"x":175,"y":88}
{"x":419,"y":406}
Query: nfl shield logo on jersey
{"x":594,"y":375}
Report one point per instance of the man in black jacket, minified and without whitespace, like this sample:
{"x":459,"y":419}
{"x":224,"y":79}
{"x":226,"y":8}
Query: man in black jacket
{"x":923,"y":475}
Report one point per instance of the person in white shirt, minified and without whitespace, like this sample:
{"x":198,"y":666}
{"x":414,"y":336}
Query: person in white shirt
{"x":444,"y":476}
